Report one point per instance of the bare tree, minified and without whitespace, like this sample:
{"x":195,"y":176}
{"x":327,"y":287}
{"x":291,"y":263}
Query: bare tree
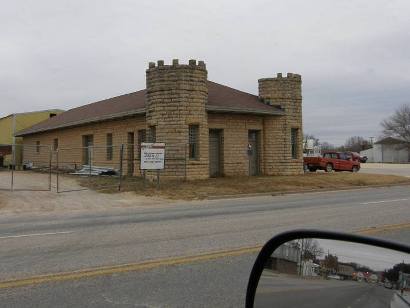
{"x":356,"y":144}
{"x":310,"y":136}
{"x":398,"y":126}
{"x":325,"y":146}
{"x":331,"y":262}
{"x":311,"y":249}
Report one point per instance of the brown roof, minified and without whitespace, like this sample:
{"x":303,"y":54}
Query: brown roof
{"x":390,"y":140}
{"x":220,"y":99}
{"x":223,"y":98}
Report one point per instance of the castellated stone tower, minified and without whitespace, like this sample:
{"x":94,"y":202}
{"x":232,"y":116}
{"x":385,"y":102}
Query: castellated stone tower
{"x":281,"y":156}
{"x":175,"y":104}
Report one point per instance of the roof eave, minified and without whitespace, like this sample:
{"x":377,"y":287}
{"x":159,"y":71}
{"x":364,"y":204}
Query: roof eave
{"x":141,"y":111}
{"x":389,"y":140}
{"x":86,"y":121}
{"x":221,"y":109}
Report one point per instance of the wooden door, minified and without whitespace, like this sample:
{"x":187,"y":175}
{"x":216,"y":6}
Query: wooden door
{"x":215,"y":153}
{"x":253,"y":152}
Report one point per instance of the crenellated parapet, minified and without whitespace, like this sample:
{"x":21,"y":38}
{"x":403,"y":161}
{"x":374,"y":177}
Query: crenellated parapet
{"x":280,"y":89}
{"x":175,"y":100}
{"x":284,"y":92}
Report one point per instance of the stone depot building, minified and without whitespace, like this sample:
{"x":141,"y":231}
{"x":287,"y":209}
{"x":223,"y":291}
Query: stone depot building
{"x":209,"y":129}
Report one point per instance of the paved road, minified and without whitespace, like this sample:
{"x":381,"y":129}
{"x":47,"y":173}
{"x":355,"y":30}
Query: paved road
{"x":321,"y":294}
{"x":51,"y":244}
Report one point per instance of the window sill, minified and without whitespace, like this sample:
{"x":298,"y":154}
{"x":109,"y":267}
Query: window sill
{"x":194,"y":161}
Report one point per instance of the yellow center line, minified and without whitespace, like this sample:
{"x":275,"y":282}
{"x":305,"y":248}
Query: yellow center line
{"x":124,"y":268}
{"x":381,"y":229}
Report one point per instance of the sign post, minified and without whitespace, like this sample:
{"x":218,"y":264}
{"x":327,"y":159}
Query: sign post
{"x":153,"y":157}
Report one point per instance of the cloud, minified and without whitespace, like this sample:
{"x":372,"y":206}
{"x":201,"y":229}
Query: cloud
{"x":353,"y":57}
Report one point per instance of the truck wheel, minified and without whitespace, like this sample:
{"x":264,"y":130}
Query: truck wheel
{"x":329,"y":168}
{"x":355,"y":169}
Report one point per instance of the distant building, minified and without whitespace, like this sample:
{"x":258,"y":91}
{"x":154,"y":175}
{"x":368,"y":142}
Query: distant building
{"x":387,"y":150}
{"x":13,"y":123}
{"x":309,"y":269}
{"x":285,"y":259}
{"x":404,"y":280}
{"x":345,"y":270}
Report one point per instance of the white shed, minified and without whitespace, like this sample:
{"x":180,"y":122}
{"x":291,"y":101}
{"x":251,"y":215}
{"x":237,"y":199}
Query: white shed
{"x":387,"y":150}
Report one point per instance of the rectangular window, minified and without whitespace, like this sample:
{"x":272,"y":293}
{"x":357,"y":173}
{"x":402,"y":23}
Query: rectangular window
{"x":108,"y":143}
{"x":152,"y":134}
{"x":193,"y":141}
{"x":55,"y":144}
{"x":142,"y":135}
{"x":294,"y":142}
{"x":38,"y":146}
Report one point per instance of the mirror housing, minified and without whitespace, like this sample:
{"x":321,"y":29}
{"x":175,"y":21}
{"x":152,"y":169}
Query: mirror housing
{"x":272,"y":245}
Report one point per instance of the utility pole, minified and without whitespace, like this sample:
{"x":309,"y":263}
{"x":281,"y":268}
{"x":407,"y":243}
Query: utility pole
{"x":371,"y":140}
{"x":14,"y":141}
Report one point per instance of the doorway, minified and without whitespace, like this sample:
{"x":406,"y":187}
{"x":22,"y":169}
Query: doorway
{"x":253,"y":152}
{"x":215,"y":153}
{"x":88,"y":141}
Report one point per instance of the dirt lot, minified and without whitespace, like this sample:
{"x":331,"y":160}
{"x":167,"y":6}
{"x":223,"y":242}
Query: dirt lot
{"x":248,"y":185}
{"x":102,"y":194}
{"x":29,"y":199}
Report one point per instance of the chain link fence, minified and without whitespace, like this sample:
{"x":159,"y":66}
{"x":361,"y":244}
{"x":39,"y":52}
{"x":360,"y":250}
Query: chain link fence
{"x":97,"y":167}
{"x":69,"y":169}
{"x":19,"y":173}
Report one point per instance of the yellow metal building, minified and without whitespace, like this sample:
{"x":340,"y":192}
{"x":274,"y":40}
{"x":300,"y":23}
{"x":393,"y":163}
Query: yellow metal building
{"x":12,"y":124}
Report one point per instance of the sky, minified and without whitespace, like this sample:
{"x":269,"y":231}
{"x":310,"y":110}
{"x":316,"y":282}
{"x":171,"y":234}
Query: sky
{"x":376,"y":258}
{"x":354,"y":56}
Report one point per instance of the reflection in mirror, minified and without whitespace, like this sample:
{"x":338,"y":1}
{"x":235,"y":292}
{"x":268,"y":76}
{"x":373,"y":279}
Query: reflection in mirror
{"x":329,"y":273}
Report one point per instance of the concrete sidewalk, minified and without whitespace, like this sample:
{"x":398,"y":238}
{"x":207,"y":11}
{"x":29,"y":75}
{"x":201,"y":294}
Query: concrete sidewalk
{"x":405,"y":297}
{"x":393,"y":169}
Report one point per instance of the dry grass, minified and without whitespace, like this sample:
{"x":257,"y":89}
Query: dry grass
{"x":201,"y":189}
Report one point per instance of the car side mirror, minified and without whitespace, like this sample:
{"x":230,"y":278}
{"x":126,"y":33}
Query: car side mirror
{"x":308,"y":268}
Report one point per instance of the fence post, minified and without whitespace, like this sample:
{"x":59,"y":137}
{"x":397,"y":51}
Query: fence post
{"x":90,"y":159}
{"x":49,"y":166}
{"x":58,"y":170}
{"x":13,"y":166}
{"x":121,"y":162}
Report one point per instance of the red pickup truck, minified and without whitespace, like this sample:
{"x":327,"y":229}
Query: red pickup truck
{"x":338,"y":161}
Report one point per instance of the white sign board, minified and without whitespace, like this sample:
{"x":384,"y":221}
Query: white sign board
{"x":309,"y":144}
{"x":152,"y":156}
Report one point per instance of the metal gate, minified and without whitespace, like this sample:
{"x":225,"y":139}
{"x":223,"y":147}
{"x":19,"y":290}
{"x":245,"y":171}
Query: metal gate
{"x":25,"y":167}
{"x":82,"y":168}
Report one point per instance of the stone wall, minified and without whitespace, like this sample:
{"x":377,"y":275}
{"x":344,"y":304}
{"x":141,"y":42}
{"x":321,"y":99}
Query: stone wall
{"x":70,"y":142}
{"x":284,"y":92}
{"x":176,"y":98}
{"x":235,"y":140}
